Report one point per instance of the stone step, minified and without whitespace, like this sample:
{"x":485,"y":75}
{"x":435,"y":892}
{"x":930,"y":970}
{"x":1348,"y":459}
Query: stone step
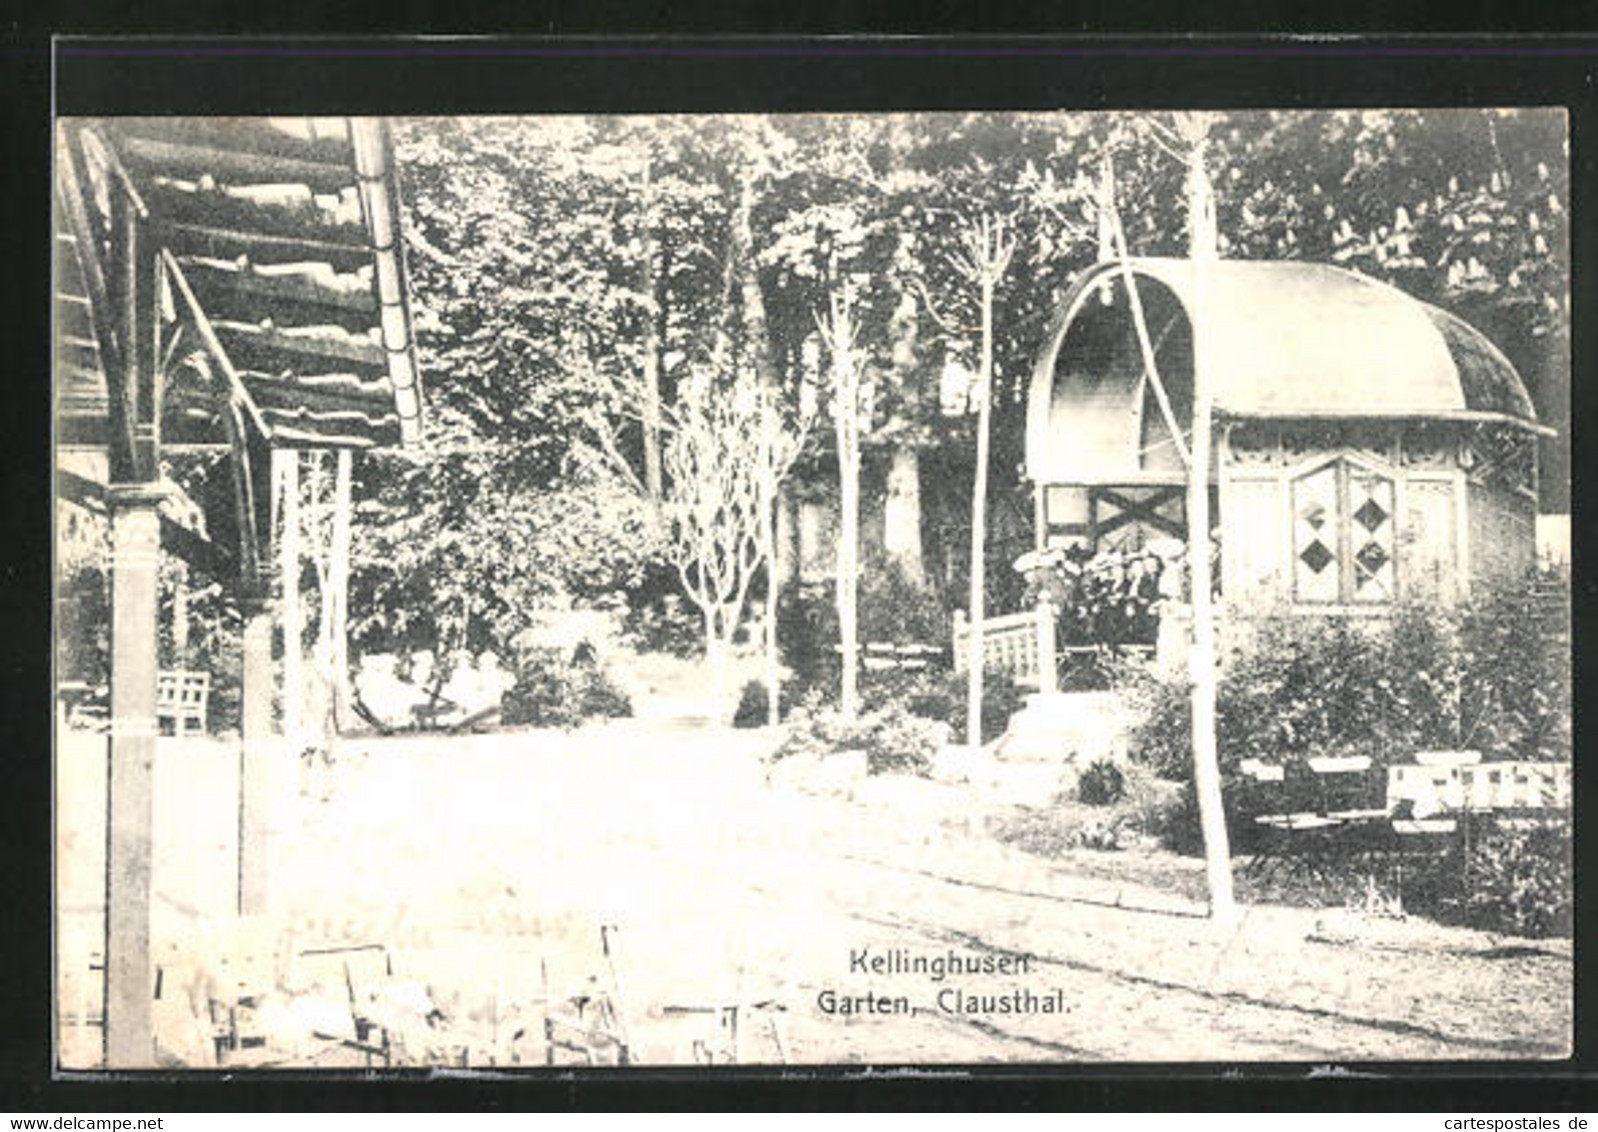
{"x":1065,"y":727}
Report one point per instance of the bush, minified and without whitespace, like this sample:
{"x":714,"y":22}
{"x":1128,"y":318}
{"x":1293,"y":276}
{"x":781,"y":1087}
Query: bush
{"x":1518,"y":881}
{"x":554,"y":689}
{"x":752,"y":702}
{"x":1101,"y":784}
{"x":1515,"y":680}
{"x":934,"y":694}
{"x":894,"y":741}
{"x":1139,"y":816}
{"x":1492,"y":679}
{"x":1054,"y":830}
{"x":890,"y":609}
{"x":941,"y":695}
{"x":664,"y":622}
{"x":893,"y":609}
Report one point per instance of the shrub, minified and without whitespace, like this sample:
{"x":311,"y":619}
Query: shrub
{"x":556,"y":689}
{"x":1492,"y":678}
{"x":1101,"y":784}
{"x":893,"y":609}
{"x":941,"y":695}
{"x":1518,"y":881}
{"x":752,"y":702}
{"x":1515,"y":680}
{"x":1054,"y":830}
{"x":934,"y":694}
{"x":665,"y":622}
{"x":894,"y":741}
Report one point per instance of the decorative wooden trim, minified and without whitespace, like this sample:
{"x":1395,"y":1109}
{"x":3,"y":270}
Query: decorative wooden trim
{"x":1327,"y":416}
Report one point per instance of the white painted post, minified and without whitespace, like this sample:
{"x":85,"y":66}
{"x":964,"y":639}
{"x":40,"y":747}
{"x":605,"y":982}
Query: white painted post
{"x":129,"y":972}
{"x":1045,"y":631}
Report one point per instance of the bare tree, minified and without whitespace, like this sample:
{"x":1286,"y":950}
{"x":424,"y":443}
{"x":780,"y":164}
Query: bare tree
{"x":839,"y":332}
{"x":1194,"y":131}
{"x":712,"y":508}
{"x":982,"y":260}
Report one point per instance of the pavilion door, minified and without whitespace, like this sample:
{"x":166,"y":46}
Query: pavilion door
{"x":1343,"y":543}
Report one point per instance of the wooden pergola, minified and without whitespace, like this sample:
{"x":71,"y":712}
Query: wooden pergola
{"x":235,"y":285}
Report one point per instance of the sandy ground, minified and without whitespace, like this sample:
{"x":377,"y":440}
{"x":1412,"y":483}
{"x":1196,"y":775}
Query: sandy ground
{"x":489,"y":866}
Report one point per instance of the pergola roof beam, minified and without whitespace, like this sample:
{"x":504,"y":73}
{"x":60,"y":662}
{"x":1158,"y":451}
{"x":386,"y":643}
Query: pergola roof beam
{"x":330,"y":341}
{"x":231,"y":166}
{"x":230,"y":243}
{"x":213,"y":346}
{"x":296,"y":283}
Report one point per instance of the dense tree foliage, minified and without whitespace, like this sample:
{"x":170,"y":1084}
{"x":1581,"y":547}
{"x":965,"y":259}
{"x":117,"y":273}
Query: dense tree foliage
{"x":552,"y":257}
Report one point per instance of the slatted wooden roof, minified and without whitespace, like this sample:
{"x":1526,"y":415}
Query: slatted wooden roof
{"x":280,"y":243}
{"x":80,"y":391}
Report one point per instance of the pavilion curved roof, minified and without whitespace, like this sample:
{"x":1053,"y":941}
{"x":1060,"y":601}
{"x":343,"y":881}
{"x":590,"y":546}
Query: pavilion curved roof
{"x":1292,"y":338}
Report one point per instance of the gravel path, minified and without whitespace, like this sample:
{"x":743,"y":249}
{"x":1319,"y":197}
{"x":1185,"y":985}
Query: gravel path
{"x":489,"y":867}
{"x":718,"y":887}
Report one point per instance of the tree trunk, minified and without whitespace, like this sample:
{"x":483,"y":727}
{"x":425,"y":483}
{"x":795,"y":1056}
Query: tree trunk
{"x":716,"y":650}
{"x":979,"y":522}
{"x":901,"y":516}
{"x":754,"y":303}
{"x":789,"y":550}
{"x":848,"y":575}
{"x":180,"y":616}
{"x":1201,"y":659}
{"x":651,"y":407}
{"x":846,"y":420}
{"x":768,"y":538}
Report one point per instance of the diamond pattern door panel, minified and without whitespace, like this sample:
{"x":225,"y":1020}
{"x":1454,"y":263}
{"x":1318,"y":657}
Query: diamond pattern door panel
{"x":1316,"y":572}
{"x":1371,"y":500}
{"x":1344,"y":535}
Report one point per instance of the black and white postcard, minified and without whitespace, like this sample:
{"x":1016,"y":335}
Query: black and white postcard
{"x":794,"y":589}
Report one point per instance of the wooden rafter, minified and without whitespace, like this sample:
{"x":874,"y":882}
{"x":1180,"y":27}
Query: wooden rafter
{"x":230,"y":243}
{"x":232,"y":165}
{"x":213,"y":345}
{"x":74,"y":198}
{"x":251,"y":560}
{"x":135,"y":306}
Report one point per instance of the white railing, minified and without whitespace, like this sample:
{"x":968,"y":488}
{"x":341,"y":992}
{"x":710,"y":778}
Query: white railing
{"x":1013,"y":643}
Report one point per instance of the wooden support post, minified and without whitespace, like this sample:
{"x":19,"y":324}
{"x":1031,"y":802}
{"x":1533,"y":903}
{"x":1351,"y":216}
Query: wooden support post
{"x":129,"y":974}
{"x":256,"y":751}
{"x":180,"y":616}
{"x":339,"y":580}
{"x":288,"y":470}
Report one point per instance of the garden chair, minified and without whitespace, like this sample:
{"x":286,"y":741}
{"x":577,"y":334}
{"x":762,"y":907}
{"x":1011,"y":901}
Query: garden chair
{"x":1325,"y":820}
